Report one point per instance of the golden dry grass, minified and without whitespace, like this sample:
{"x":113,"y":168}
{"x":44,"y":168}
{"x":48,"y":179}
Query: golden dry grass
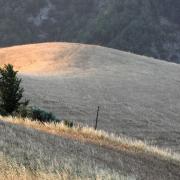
{"x":99,"y":137}
{"x":126,"y":86}
{"x":10,"y":170}
{"x":46,"y":58}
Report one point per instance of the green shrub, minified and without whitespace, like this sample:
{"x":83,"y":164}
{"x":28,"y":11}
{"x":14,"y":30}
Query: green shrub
{"x":35,"y":113}
{"x":23,"y":111}
{"x":41,"y":115}
{"x":68,"y":123}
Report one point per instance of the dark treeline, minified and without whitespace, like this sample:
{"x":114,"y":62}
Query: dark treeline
{"x":147,"y":27}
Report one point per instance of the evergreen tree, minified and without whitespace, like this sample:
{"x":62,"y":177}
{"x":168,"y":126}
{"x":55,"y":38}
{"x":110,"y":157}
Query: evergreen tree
{"x":10,"y":91}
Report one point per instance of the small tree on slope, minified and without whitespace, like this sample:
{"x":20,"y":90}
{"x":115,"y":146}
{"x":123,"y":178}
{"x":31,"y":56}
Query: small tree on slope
{"x":10,"y":91}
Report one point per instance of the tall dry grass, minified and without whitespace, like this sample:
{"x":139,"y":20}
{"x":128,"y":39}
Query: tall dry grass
{"x":100,"y":137}
{"x":10,"y":170}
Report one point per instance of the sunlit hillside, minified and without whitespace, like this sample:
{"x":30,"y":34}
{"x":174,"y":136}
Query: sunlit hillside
{"x":41,"y":58}
{"x":138,"y":96}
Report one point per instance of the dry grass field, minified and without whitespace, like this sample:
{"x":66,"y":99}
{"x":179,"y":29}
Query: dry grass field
{"x":10,"y":170}
{"x":31,"y":150}
{"x":98,"y":137}
{"x":138,"y":96}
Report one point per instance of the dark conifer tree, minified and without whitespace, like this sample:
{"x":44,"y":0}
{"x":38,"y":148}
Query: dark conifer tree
{"x":11,"y":92}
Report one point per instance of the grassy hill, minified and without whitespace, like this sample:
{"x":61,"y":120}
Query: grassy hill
{"x":56,"y":152}
{"x":147,"y":27}
{"x":138,"y":96}
{"x":29,"y":154}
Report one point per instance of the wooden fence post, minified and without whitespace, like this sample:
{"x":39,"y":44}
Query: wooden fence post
{"x":97,"y":116}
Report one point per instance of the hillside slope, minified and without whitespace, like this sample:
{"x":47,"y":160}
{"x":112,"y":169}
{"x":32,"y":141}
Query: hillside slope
{"x":148,"y":27}
{"x":32,"y":148}
{"x":138,"y":96}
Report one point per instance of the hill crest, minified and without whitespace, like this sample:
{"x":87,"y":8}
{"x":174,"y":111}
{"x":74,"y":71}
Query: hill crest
{"x":52,"y":58}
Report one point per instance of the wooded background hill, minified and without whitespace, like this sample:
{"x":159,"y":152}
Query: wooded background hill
{"x":148,"y":27}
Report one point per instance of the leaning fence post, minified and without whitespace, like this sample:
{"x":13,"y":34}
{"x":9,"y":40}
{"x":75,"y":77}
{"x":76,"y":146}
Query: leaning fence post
{"x":97,"y":116}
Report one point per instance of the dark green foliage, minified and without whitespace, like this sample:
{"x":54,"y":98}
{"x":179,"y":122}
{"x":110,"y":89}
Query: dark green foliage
{"x":68,"y":123}
{"x":23,"y":112}
{"x":36,"y":113}
{"x":10,"y":91}
{"x":147,"y":27}
{"x":41,"y":115}
{"x":11,"y":95}
{"x":3,"y":112}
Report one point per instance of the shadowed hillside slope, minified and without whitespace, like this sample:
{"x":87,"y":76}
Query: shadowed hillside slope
{"x":138,"y":96}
